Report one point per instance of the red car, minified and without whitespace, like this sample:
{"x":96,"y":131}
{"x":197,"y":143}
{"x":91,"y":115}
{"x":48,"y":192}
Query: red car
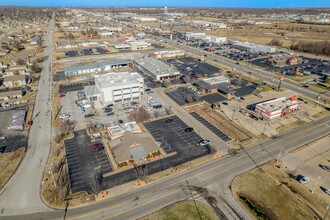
{"x":97,"y":146}
{"x":62,"y":95}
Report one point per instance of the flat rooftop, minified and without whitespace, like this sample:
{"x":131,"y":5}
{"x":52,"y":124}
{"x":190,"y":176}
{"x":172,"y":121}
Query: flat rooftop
{"x":277,"y":104}
{"x":157,"y":67}
{"x":117,"y":79}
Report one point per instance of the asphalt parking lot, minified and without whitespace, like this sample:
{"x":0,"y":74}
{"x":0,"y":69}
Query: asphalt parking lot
{"x":74,"y":87}
{"x":314,"y":66}
{"x":83,"y":162}
{"x":189,"y":65}
{"x":213,"y":98}
{"x":210,"y":126}
{"x":85,"y":52}
{"x":12,"y":139}
{"x":59,"y":76}
{"x":179,"y":95}
{"x":243,"y":88}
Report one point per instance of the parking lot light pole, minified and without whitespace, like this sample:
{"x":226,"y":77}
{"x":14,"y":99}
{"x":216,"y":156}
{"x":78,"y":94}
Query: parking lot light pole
{"x":192,"y":196}
{"x":50,"y":171}
{"x":317,"y":181}
{"x":279,"y":155}
{"x":327,"y":212}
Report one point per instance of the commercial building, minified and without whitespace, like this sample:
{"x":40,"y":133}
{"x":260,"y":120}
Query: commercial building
{"x":156,"y":69}
{"x":277,"y":107}
{"x":209,"y":24}
{"x":95,"y":68}
{"x":214,"y":84}
{"x":132,"y":147}
{"x":138,"y":44}
{"x":117,"y":88}
{"x":196,"y":37}
{"x":249,"y":47}
{"x":168,"y":54}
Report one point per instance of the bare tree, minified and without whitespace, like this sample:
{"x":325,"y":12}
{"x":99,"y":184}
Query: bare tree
{"x":196,"y":97}
{"x":167,"y":83}
{"x":35,"y":68}
{"x":16,"y":44}
{"x":20,"y":61}
{"x":156,"y":113}
{"x":96,"y":184}
{"x":139,"y":115}
{"x":189,"y":98}
{"x":187,"y":79}
{"x":141,"y":171}
{"x":168,"y":110}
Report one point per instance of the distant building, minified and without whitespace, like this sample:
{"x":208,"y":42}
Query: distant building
{"x":138,"y":45}
{"x":214,"y":84}
{"x":168,"y":54}
{"x":95,"y":68}
{"x":196,"y":37}
{"x":156,"y":69}
{"x":14,"y":81}
{"x":277,"y":107}
{"x":209,"y":24}
{"x":118,"y":88}
{"x":249,"y":47}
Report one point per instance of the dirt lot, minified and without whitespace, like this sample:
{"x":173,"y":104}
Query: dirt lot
{"x":183,"y":210}
{"x":220,"y":122}
{"x":8,"y":163}
{"x":269,"y":193}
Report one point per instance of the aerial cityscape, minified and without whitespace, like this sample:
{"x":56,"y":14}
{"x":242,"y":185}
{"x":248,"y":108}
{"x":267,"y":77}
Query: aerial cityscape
{"x":165,"y":110}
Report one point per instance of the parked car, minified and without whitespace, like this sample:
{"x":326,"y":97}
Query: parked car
{"x":169,"y":120}
{"x":203,"y":142}
{"x":128,"y":110}
{"x":327,"y":191}
{"x":98,"y":145}
{"x":88,"y":116}
{"x":110,"y":113}
{"x":62,"y":95}
{"x":189,"y":129}
{"x":65,"y":116}
{"x":327,"y":168}
{"x":302,"y":179}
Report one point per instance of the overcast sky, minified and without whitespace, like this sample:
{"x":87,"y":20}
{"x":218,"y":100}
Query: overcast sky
{"x":205,"y":3}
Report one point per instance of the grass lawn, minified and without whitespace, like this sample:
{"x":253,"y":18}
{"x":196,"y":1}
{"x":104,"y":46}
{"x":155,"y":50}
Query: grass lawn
{"x":269,"y":193}
{"x":290,"y":126}
{"x":9,"y":163}
{"x":183,"y":210}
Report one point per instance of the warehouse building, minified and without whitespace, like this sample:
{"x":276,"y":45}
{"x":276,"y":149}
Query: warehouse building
{"x":276,"y":108}
{"x":214,"y":84}
{"x":116,"y":88}
{"x":95,"y":68}
{"x":168,"y":54}
{"x":197,"y":37}
{"x":156,"y":69}
{"x":249,"y":47}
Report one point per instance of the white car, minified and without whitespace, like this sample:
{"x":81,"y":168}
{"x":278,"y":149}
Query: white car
{"x":64,"y":116}
{"x":203,"y":142}
{"x":303,"y":179}
{"x":128,"y":110}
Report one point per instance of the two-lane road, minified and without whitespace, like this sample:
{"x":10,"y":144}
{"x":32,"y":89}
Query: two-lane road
{"x":21,"y":194}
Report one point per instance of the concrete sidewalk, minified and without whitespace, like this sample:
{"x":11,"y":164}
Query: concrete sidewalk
{"x":216,"y":142}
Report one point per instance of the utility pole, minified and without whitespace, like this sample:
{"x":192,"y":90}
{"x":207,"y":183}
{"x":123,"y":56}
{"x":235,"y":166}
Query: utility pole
{"x":317,"y":181}
{"x":50,"y":171}
{"x":266,"y":121}
{"x":279,"y":155}
{"x":326,"y":214}
{"x":192,"y":196}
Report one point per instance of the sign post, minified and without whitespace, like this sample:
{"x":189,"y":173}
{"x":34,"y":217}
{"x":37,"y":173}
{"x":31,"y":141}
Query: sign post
{"x":279,"y":85}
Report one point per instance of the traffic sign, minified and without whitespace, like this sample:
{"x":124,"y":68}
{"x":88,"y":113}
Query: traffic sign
{"x":282,"y":78}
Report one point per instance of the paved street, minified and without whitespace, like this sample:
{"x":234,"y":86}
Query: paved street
{"x":21,"y":194}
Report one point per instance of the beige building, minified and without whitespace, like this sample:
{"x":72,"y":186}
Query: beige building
{"x":133,"y":147}
{"x":14,"y":81}
{"x":5,"y":96}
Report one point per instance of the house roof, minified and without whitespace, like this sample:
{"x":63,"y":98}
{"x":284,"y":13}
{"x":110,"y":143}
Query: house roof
{"x":11,"y":93}
{"x":13,"y":78}
{"x":136,"y":146}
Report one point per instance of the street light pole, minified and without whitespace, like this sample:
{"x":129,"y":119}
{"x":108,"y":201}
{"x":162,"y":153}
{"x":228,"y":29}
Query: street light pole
{"x":192,"y":196}
{"x":317,"y":181}
{"x":279,"y":155}
{"x":50,"y":171}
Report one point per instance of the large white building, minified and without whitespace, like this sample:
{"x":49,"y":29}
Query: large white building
{"x":116,"y":88}
{"x":250,"y":47}
{"x":277,"y":107}
{"x":204,"y":37}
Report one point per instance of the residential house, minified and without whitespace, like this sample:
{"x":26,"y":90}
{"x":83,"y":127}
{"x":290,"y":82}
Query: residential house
{"x":14,"y":81}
